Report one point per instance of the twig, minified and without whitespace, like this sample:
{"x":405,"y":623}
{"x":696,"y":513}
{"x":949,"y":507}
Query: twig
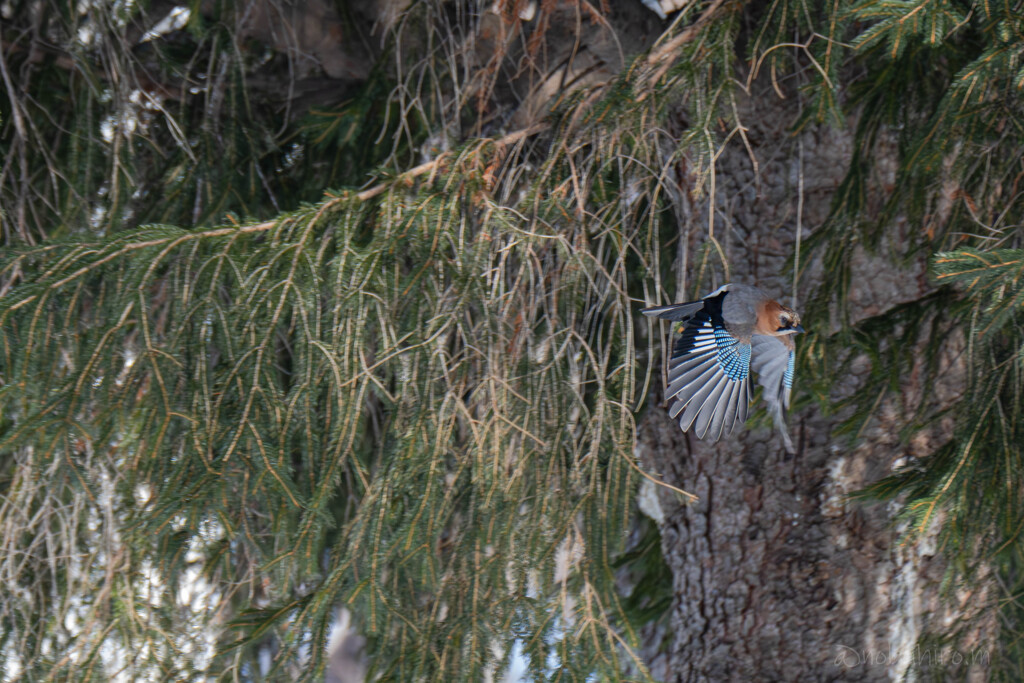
{"x":661,"y":58}
{"x":509,"y":139}
{"x":417,"y":171}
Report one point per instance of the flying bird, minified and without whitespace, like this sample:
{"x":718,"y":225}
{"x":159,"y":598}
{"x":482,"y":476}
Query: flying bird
{"x":731,"y":331}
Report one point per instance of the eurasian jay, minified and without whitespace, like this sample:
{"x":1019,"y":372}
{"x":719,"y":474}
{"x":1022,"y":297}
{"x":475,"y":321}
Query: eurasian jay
{"x":725,"y":335}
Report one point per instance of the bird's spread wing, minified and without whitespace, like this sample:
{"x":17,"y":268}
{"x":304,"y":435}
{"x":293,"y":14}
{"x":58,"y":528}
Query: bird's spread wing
{"x":709,"y":374}
{"x":772,"y":359}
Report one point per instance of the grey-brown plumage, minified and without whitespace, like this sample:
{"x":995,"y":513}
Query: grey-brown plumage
{"x":735,"y":329}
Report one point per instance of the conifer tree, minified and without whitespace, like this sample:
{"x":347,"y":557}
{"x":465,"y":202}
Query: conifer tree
{"x":325,"y":307}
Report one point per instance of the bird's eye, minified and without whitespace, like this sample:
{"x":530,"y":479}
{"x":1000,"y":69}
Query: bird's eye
{"x":784,"y":320}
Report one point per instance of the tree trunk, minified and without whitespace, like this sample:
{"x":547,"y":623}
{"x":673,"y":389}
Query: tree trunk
{"x":777,"y":577}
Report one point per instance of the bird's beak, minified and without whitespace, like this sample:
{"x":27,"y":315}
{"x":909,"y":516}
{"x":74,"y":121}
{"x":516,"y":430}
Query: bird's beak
{"x":798,"y":329}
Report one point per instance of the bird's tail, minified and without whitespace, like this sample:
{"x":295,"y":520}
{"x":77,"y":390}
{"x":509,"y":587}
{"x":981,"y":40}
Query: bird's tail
{"x":674,"y":312}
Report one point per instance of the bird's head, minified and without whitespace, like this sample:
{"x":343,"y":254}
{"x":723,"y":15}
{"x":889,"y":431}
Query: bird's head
{"x":778,"y":320}
{"x":788,"y":322}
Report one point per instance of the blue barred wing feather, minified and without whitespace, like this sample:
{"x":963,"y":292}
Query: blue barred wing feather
{"x":709,"y":375}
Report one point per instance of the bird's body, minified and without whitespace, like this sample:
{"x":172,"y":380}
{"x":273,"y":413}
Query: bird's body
{"x":735,"y":329}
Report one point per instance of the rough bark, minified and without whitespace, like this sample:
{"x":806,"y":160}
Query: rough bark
{"x":777,"y":577}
